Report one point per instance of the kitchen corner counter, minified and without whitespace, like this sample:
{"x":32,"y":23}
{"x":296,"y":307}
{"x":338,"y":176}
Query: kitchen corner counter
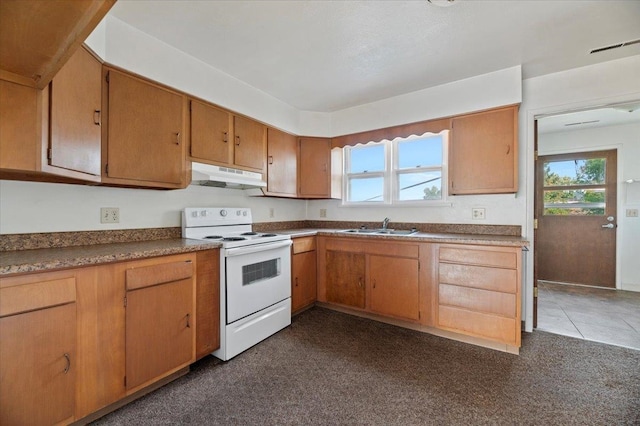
{"x":423,"y":237}
{"x":49,"y":259}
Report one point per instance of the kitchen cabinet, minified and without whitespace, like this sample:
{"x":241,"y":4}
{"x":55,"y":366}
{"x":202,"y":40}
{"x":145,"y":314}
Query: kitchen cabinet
{"x":38,"y":37}
{"x":483,"y":157}
{"x":478,"y":291}
{"x":394,"y":286}
{"x":38,"y":350}
{"x":160,"y":319}
{"x":282,"y":155}
{"x":314,"y":168}
{"x":54,"y":134}
{"x":303,"y":273}
{"x":222,"y":138}
{"x":144,"y":127}
{"x":372,"y":275}
{"x":207,"y":302}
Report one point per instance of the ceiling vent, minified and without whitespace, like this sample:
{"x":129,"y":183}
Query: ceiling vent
{"x":578,"y":123}
{"x":615,"y":46}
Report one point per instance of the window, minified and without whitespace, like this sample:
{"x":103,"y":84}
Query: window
{"x":405,"y":170}
{"x":575,"y":187}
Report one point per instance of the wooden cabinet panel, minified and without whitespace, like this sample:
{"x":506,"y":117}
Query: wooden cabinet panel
{"x":38,"y":37}
{"x":76,"y":93}
{"x":207,"y":302}
{"x":145,"y":133}
{"x":145,"y":276}
{"x":303,"y":280}
{"x":250,"y":143}
{"x":483,"y":154}
{"x":20,"y":128}
{"x":210,"y":134}
{"x":394,"y":286}
{"x":492,"y":302}
{"x":479,"y":277}
{"x":38,"y":365}
{"x":506,"y":330}
{"x":484,"y":257}
{"x":314,"y":168}
{"x":282,"y":158}
{"x":37,"y":295}
{"x":159,"y":336}
{"x":345,"y":278}
{"x":302,"y":244}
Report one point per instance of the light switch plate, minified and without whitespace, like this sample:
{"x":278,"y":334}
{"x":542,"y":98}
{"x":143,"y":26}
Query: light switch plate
{"x":632,"y":213}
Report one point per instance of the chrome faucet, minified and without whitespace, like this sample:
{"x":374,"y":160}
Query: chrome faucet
{"x":385,"y":223}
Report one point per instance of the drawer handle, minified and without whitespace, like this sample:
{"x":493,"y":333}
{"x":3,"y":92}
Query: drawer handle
{"x":296,"y":281}
{"x":360,"y":282}
{"x":188,"y":320}
{"x":225,"y":137}
{"x":374,"y":283}
{"x":237,"y":140}
{"x":68,"y":366}
{"x":96,"y":117}
{"x":177,"y":138}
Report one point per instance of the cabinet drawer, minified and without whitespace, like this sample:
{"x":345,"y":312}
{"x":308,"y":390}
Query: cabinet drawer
{"x":496,"y":279}
{"x":480,"y":324}
{"x":29,"y":297}
{"x":485,"y":257}
{"x":146,"y":276}
{"x":300,"y":245}
{"x":474,"y":299}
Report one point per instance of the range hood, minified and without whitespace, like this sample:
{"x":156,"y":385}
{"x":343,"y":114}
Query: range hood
{"x":225,"y":177}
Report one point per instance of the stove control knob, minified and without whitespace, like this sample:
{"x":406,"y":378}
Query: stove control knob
{"x":244,"y":213}
{"x":223,"y":213}
{"x":238,"y":212}
{"x":203,"y":213}
{"x":194,"y":214}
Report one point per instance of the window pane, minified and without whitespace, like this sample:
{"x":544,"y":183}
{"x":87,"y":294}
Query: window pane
{"x":367,"y":159}
{"x":366,"y":189}
{"x":420,"y":186}
{"x":422,"y":152}
{"x":575,"y":202}
{"x":575,"y":172}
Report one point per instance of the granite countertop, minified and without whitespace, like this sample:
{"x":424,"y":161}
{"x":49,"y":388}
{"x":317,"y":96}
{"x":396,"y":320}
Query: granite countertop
{"x":48,"y":259}
{"x":426,"y":237}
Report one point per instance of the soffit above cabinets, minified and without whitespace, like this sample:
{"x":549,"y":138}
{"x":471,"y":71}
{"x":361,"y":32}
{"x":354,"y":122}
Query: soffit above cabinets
{"x":330,"y":55}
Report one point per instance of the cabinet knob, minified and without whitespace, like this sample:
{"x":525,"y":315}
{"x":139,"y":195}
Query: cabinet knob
{"x":237,"y":140}
{"x":225,"y":137}
{"x":178,"y":138}
{"x":374,"y":283}
{"x":508,"y":149}
{"x":68,"y":366}
{"x":97,"y":117}
{"x":188,"y":320}
{"x":296,"y":281}
{"x":271,"y":159}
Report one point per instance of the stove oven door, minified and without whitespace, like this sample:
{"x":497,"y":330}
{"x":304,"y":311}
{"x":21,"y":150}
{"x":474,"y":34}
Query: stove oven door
{"x":257,"y":276}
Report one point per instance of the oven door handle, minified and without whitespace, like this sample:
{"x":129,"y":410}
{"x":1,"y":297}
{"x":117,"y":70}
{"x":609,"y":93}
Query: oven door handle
{"x":239,"y":251}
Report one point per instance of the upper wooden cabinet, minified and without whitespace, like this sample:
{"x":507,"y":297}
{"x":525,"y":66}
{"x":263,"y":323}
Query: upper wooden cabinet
{"x":39,"y":36}
{"x":483,"y":153}
{"x":54,"y":134}
{"x":314,"y":168}
{"x":282,"y":155}
{"x":221,"y":138}
{"x":143,"y":133}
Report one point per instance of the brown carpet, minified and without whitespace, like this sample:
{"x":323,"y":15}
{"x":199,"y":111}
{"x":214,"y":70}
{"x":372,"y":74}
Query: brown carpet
{"x":329,"y":368}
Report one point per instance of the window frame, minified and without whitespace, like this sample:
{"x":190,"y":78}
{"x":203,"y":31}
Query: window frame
{"x":392,"y":173}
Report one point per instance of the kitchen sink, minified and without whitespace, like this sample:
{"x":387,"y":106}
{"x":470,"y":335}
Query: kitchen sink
{"x":381,"y":231}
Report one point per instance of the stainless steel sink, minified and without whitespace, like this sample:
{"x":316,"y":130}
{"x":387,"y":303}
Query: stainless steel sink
{"x":381,"y":231}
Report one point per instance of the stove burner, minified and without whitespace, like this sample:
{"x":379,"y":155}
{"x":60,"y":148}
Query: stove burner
{"x":213,"y":237}
{"x":249,"y":233}
{"x":268,"y":235}
{"x":233,"y":239}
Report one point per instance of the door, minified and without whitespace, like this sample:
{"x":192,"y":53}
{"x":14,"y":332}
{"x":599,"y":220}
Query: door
{"x":576,"y":212}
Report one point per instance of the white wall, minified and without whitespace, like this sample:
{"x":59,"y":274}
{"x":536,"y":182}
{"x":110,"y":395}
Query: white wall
{"x":27,"y":207}
{"x":626,"y":139}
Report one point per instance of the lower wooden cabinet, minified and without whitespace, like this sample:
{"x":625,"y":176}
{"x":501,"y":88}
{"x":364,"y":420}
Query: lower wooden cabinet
{"x":75,"y":342}
{"x":478,"y":291}
{"x":394,"y":286}
{"x":303,"y":273}
{"x":38,"y":359}
{"x":345,"y":283}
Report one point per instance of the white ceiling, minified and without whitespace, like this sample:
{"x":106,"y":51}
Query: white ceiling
{"x":330,"y":55}
{"x":611,"y":115}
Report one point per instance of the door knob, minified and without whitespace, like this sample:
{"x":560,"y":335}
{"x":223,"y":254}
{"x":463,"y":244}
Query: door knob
{"x":609,"y":225}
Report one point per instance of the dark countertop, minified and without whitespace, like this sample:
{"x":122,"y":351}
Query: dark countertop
{"x":422,"y":237}
{"x":42,"y":260}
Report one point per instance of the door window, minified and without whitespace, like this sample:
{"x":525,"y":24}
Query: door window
{"x":575,"y":187}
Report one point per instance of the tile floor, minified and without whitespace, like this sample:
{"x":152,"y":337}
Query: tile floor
{"x":601,"y":315}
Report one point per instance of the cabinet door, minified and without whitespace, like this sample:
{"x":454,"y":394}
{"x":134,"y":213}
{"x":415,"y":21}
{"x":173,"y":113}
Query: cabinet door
{"x":207,"y":302}
{"x":20,"y":107}
{"x":345,"y":278}
{"x":314,"y":168}
{"x":76,"y":93}
{"x":210,"y":137}
{"x":303,"y":285}
{"x":145,"y":132}
{"x":394,"y":286}
{"x":37,"y":361}
{"x":281,"y":163}
{"x":250,"y":144}
{"x":483,"y":152}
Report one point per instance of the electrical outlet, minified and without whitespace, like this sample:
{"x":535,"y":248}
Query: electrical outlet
{"x":632,"y":212}
{"x":323,"y":212}
{"x":477,"y":213}
{"x":109,"y":215}
{"x":272,"y":212}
